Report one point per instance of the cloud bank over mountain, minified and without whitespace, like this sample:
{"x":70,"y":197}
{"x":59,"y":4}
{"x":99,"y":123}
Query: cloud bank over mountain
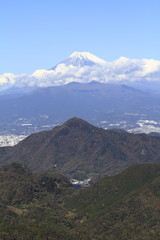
{"x":85,"y":67}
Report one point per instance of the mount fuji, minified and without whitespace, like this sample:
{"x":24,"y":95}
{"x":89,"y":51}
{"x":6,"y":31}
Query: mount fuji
{"x":84,"y":67}
{"x":85,"y":86}
{"x":81,"y":59}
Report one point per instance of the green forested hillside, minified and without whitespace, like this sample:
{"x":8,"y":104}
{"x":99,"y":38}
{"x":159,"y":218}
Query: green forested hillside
{"x":125,"y":206}
{"x":79,"y":150}
{"x":31,"y":205}
{"x":46,"y":206}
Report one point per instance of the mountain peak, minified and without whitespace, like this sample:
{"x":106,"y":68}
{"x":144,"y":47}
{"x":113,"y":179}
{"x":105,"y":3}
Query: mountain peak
{"x":85,"y":58}
{"x":81,"y":59}
{"x":88,"y":56}
{"x":77,"y":123}
{"x":80,"y":54}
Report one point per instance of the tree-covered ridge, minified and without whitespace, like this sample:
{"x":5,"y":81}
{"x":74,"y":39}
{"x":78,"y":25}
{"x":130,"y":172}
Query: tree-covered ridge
{"x":31,"y":206}
{"x":125,"y":206}
{"x":79,"y":150}
{"x":46,"y":206}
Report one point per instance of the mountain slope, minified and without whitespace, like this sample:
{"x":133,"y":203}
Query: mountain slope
{"x":79,"y":150}
{"x":31,"y":206}
{"x":94,"y":102}
{"x":125,"y":206}
{"x":46,"y":206}
{"x":81,"y":59}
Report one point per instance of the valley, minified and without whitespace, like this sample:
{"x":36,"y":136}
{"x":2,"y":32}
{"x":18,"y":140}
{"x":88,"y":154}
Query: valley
{"x":103,"y":105}
{"x":131,"y":122}
{"x":10,"y":140}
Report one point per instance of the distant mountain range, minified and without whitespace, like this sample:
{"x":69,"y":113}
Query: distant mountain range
{"x":105,"y":105}
{"x":85,"y":67}
{"x":123,"y":94}
{"x":80,"y":150}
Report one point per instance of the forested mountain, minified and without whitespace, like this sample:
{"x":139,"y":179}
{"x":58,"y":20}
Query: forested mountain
{"x":80,"y":150}
{"x":46,"y":206}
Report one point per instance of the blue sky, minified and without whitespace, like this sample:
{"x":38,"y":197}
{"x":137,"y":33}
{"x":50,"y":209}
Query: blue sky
{"x":38,"y":34}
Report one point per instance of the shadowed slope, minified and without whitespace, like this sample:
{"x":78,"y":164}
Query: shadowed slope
{"x":78,"y":149}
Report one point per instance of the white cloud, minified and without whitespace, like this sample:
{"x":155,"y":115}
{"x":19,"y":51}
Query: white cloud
{"x":150,"y":66}
{"x":7,"y":78}
{"x":123,"y":69}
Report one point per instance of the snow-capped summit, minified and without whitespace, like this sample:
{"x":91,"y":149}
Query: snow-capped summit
{"x":81,"y":59}
{"x":86,"y":57}
{"x":84,"y":67}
